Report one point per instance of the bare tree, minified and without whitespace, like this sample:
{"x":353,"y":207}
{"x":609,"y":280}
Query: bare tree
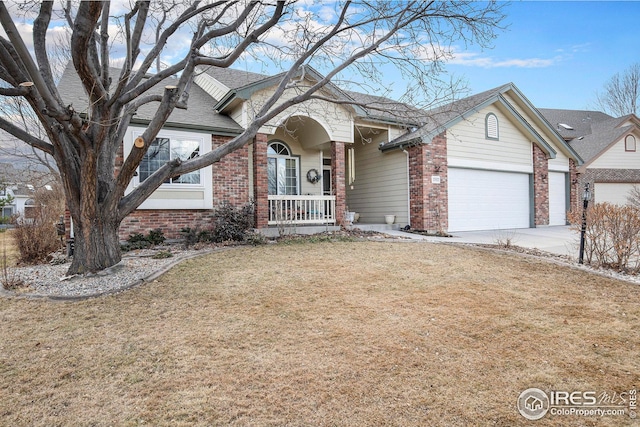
{"x":411,"y":35}
{"x":621,"y":94}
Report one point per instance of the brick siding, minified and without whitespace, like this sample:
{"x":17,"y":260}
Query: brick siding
{"x":573,"y":185}
{"x":170,"y":221}
{"x":260,"y":181}
{"x":429,"y":201}
{"x":230,"y":175}
{"x":338,"y":176}
{"x":540,"y":186}
{"x":604,"y":175}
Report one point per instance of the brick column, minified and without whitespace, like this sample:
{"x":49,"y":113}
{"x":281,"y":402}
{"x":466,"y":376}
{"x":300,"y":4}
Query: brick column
{"x":260,"y":181}
{"x":429,"y":199}
{"x":574,"y":190}
{"x":230,"y":175}
{"x":338,"y":174}
{"x":540,"y":186}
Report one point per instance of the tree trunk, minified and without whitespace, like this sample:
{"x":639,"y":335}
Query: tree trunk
{"x":97,"y":245}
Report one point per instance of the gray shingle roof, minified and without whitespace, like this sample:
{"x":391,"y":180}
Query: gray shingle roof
{"x":592,"y":131}
{"x":579,"y":120}
{"x":233,"y":78}
{"x":381,"y":108}
{"x":438,"y":118}
{"x":198,"y":115}
{"x":376,"y":107}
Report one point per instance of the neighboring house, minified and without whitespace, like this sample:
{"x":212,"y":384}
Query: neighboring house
{"x":489,"y":161}
{"x":608,"y":146}
{"x":23,"y":204}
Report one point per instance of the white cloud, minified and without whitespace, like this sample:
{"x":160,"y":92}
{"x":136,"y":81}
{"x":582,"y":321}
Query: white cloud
{"x":473,"y":59}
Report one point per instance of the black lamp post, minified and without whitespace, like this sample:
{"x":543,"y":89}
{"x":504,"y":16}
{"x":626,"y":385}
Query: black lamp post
{"x":586,"y":196}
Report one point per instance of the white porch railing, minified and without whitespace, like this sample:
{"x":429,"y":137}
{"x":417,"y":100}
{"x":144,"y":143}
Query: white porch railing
{"x":298,"y":210}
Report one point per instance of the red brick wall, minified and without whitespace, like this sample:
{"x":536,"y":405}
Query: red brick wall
{"x":260,"y":181}
{"x":574,"y":188}
{"x":170,"y":221}
{"x":540,"y":186}
{"x":338,"y":175}
{"x":230,"y":175}
{"x":429,"y":201}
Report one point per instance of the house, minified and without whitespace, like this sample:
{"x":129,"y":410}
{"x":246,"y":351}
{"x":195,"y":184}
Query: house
{"x":608,"y":146}
{"x":489,"y":161}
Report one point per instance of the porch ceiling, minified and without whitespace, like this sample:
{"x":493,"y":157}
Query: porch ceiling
{"x":308,"y":131}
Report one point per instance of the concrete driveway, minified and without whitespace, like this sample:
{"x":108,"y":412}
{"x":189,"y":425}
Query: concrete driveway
{"x":555,"y":239}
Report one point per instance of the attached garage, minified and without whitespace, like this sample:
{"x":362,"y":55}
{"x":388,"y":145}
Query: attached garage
{"x":557,"y":198}
{"x":488,"y":200}
{"x":612,"y":192}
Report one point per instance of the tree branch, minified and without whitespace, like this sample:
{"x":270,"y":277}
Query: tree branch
{"x":104,"y":45}
{"x":26,"y":137}
{"x":14,"y":91}
{"x":27,"y":61}
{"x":83,"y":50}
{"x":40,"y":26}
{"x":192,"y":11}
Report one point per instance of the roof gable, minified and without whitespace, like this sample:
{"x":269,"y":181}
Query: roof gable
{"x":199,"y":114}
{"x":250,"y":83}
{"x":446,"y":116}
{"x":243,"y":84}
{"x":591,"y":133}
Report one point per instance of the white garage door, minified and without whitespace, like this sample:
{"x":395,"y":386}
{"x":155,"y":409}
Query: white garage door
{"x":610,"y":192}
{"x":488,"y":200}
{"x":557,"y":198}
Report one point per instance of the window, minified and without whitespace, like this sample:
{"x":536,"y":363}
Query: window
{"x":7,"y":211}
{"x":282,"y":169}
{"x":163,"y":150}
{"x":630,"y":143}
{"x":30,"y":209}
{"x":491,"y":126}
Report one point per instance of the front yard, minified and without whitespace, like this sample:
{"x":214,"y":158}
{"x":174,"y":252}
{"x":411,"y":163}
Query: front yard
{"x":344,"y":334}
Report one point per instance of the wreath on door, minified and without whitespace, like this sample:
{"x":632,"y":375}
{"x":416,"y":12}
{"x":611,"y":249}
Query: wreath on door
{"x":313,"y":176}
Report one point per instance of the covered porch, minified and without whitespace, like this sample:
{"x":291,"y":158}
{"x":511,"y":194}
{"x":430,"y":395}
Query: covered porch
{"x":298,"y":175}
{"x":303,"y":176}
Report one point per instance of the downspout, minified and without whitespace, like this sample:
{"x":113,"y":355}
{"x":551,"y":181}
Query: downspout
{"x":408,"y":188}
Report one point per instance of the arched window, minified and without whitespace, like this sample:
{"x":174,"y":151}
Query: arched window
{"x":282,"y":168}
{"x":630,"y":143}
{"x":491,"y":126}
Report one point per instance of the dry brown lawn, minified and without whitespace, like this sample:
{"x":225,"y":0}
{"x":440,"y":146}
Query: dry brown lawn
{"x":328,"y":334}
{"x":8,"y":248}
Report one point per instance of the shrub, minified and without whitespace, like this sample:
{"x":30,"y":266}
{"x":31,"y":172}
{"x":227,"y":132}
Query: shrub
{"x":36,"y":237}
{"x":189,"y":236}
{"x":141,"y":241}
{"x":232,"y":223}
{"x":612,"y":236}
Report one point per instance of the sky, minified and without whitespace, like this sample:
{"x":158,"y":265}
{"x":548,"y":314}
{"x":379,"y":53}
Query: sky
{"x":558,"y":53}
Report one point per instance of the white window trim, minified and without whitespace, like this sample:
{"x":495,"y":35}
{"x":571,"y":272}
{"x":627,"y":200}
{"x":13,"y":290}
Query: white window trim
{"x":488,"y":135}
{"x":165,"y":196}
{"x":635,"y":144}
